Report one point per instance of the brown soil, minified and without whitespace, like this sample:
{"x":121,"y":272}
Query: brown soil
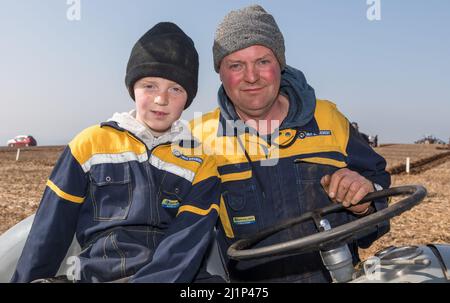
{"x":396,"y":154}
{"x":428,"y":222}
{"x":22,"y":184}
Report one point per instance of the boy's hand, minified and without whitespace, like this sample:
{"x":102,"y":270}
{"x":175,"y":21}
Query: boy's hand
{"x":348,"y":187}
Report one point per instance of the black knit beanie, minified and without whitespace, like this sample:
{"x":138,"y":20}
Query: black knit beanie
{"x":164,"y":51}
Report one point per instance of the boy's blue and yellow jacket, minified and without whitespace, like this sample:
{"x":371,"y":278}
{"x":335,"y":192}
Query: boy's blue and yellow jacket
{"x":279,"y":178}
{"x":138,"y":206}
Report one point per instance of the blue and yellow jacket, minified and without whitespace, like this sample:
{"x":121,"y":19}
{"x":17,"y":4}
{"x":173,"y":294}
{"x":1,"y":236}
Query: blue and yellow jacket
{"x":279,"y":178}
{"x":128,"y":205}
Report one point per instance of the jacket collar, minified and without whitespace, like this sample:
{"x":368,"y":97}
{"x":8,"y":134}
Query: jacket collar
{"x":126,"y":121}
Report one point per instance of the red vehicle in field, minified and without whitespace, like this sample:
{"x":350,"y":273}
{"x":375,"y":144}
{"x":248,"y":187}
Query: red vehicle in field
{"x":21,"y":141}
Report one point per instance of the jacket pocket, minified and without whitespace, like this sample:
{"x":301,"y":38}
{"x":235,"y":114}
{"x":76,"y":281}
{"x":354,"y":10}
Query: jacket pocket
{"x":242,"y":204}
{"x":312,"y":195}
{"x":111,"y":191}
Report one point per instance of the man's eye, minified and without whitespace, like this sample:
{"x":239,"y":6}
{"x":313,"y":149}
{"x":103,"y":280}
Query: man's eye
{"x":235,"y":66}
{"x":264,"y":62}
{"x":150,"y":86}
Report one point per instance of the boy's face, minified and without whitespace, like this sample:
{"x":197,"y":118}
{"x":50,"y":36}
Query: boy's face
{"x":159,"y":103}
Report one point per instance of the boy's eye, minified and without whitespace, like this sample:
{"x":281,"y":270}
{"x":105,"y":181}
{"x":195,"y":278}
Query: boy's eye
{"x":150,"y":86}
{"x":176,"y":90}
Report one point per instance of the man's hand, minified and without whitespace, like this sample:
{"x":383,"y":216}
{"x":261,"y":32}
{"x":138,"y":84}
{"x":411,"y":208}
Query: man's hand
{"x":348,"y":187}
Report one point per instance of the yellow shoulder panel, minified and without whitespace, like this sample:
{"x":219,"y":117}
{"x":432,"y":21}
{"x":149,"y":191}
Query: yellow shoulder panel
{"x":103,"y":140}
{"x":328,"y":117}
{"x":204,"y":129}
{"x":207,"y":170}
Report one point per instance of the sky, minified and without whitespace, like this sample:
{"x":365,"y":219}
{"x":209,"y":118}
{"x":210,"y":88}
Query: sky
{"x":391,"y":75}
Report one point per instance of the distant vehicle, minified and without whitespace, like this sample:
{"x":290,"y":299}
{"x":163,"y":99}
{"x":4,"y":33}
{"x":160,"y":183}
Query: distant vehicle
{"x":429,"y":140}
{"x":22,"y":141}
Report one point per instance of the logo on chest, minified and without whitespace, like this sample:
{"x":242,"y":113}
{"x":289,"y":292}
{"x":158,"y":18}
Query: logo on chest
{"x":179,"y":155}
{"x":167,"y":203}
{"x":244,"y":220}
{"x":303,"y":134}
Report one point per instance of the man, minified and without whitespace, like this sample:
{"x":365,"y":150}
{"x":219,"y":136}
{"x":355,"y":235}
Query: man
{"x":280,"y":152}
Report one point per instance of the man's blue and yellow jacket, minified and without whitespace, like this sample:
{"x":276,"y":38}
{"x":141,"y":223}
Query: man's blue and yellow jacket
{"x":281,"y":179}
{"x":128,"y":205}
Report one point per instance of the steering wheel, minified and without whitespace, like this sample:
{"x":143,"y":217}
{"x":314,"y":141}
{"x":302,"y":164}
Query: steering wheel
{"x":333,"y":237}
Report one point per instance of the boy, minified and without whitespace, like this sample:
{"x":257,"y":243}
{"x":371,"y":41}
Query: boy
{"x":131,"y":184}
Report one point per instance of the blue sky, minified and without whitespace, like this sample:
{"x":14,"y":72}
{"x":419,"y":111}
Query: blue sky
{"x":392,"y":76}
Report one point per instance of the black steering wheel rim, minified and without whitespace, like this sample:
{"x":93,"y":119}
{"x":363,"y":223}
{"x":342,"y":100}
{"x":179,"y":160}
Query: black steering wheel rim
{"x":339,"y":234}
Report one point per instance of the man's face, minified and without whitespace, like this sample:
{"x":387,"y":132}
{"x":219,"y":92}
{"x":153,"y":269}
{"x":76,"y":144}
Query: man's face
{"x":159,"y":103}
{"x":251,"y":78}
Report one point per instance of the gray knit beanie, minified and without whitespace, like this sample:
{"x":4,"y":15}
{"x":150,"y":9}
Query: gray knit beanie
{"x":246,"y":27}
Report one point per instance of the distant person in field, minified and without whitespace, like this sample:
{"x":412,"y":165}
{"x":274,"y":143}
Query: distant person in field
{"x":268,"y":105}
{"x":141,"y":204}
{"x":363,"y":135}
